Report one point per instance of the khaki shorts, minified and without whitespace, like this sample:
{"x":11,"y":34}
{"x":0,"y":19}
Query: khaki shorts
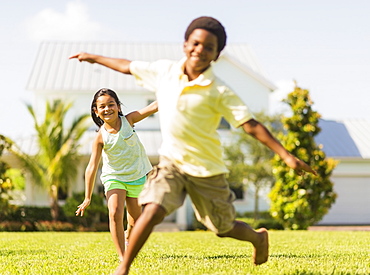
{"x":211,"y":197}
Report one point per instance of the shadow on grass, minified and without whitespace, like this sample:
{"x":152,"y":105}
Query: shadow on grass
{"x":278,"y":256}
{"x":205,"y":257}
{"x":295,"y":256}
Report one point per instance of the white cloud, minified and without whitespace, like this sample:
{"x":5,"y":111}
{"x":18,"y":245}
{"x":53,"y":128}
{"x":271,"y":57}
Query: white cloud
{"x":73,"y":24}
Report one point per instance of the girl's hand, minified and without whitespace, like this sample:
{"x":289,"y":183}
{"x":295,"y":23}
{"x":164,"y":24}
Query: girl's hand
{"x":298,"y":165}
{"x":81,"y":208}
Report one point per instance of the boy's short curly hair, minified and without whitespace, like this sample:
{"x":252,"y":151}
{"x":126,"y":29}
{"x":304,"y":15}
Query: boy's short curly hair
{"x":210,"y":24}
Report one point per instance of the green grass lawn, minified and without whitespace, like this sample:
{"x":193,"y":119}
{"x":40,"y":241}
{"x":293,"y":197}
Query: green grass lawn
{"x":291,"y":252}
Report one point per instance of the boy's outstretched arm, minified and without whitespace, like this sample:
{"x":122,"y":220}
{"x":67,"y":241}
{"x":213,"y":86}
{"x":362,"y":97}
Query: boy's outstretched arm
{"x":261,"y":133}
{"x":117,"y":64}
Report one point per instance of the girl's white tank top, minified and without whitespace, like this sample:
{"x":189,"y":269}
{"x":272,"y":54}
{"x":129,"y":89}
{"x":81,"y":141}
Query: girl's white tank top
{"x":124,"y":157}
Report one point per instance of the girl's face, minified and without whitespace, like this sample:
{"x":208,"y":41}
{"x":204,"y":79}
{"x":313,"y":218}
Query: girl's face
{"x":107,"y":108}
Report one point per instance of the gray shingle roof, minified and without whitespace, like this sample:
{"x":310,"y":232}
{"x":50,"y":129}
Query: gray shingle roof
{"x":53,"y":71}
{"x":345,"y":139}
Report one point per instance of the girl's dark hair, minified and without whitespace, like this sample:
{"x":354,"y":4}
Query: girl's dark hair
{"x":104,"y":91}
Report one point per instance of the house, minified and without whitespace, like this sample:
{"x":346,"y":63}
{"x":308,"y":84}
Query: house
{"x":54,"y":76}
{"x":348,"y":141}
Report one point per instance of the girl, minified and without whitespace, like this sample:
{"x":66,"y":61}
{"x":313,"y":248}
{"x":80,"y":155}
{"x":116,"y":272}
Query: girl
{"x":125,"y":163}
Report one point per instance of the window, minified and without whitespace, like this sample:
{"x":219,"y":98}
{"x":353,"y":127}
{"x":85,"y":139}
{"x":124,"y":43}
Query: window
{"x":148,"y":102}
{"x":239,"y":192}
{"x":224,"y":124}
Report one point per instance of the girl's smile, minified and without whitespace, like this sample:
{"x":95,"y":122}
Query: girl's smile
{"x":107,"y":108}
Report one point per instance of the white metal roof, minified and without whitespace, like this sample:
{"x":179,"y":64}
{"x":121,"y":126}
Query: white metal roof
{"x":53,"y":70}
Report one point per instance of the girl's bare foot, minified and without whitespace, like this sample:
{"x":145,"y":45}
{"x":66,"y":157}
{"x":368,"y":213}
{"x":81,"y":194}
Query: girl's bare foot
{"x":121,"y":270}
{"x":261,"y":249}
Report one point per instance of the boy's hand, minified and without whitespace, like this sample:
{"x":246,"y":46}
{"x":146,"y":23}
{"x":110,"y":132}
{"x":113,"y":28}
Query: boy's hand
{"x":81,"y":208}
{"x":83,"y":57}
{"x":298,"y":165}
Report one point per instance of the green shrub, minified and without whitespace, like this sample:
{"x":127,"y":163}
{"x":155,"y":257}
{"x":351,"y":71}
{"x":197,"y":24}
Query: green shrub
{"x":16,"y":226}
{"x":31,"y":214}
{"x":96,"y":212}
{"x":248,"y":214}
{"x":31,"y":218}
{"x":101,"y":226}
{"x":54,"y":226}
{"x":268,"y":224}
{"x":299,"y":201}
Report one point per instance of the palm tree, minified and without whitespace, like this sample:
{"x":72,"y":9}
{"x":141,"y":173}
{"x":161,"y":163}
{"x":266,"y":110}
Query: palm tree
{"x":55,"y":165}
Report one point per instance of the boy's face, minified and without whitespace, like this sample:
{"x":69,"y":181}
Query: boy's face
{"x":200,"y":50}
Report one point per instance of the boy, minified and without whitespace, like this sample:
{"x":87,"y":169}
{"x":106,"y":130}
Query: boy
{"x":192,"y":101}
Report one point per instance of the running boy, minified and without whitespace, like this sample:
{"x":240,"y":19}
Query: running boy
{"x":192,"y":101}
{"x":125,"y":163}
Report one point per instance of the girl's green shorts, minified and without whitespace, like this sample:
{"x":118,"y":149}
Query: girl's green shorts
{"x":133,"y":188}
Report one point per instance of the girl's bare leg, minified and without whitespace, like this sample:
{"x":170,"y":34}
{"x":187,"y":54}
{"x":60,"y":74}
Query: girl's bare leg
{"x":133,"y":213}
{"x":116,"y":206}
{"x":152,"y":215}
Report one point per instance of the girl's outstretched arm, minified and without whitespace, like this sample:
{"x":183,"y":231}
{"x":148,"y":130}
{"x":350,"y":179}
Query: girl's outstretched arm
{"x":117,"y":64}
{"x":90,"y":173}
{"x":139,"y":115}
{"x":261,"y":133}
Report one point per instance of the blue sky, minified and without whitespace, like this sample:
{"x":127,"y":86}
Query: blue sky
{"x":322,"y":44}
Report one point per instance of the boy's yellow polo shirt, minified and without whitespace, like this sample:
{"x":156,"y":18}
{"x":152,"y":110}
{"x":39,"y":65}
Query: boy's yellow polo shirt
{"x":190,"y":113}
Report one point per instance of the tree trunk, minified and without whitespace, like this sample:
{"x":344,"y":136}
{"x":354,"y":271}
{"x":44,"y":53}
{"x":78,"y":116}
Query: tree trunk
{"x":54,"y":209}
{"x":256,"y":202}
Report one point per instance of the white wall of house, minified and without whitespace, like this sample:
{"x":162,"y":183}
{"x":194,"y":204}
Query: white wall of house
{"x":351,"y":180}
{"x":254,"y":93}
{"x":35,"y":194}
{"x":247,"y":203}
